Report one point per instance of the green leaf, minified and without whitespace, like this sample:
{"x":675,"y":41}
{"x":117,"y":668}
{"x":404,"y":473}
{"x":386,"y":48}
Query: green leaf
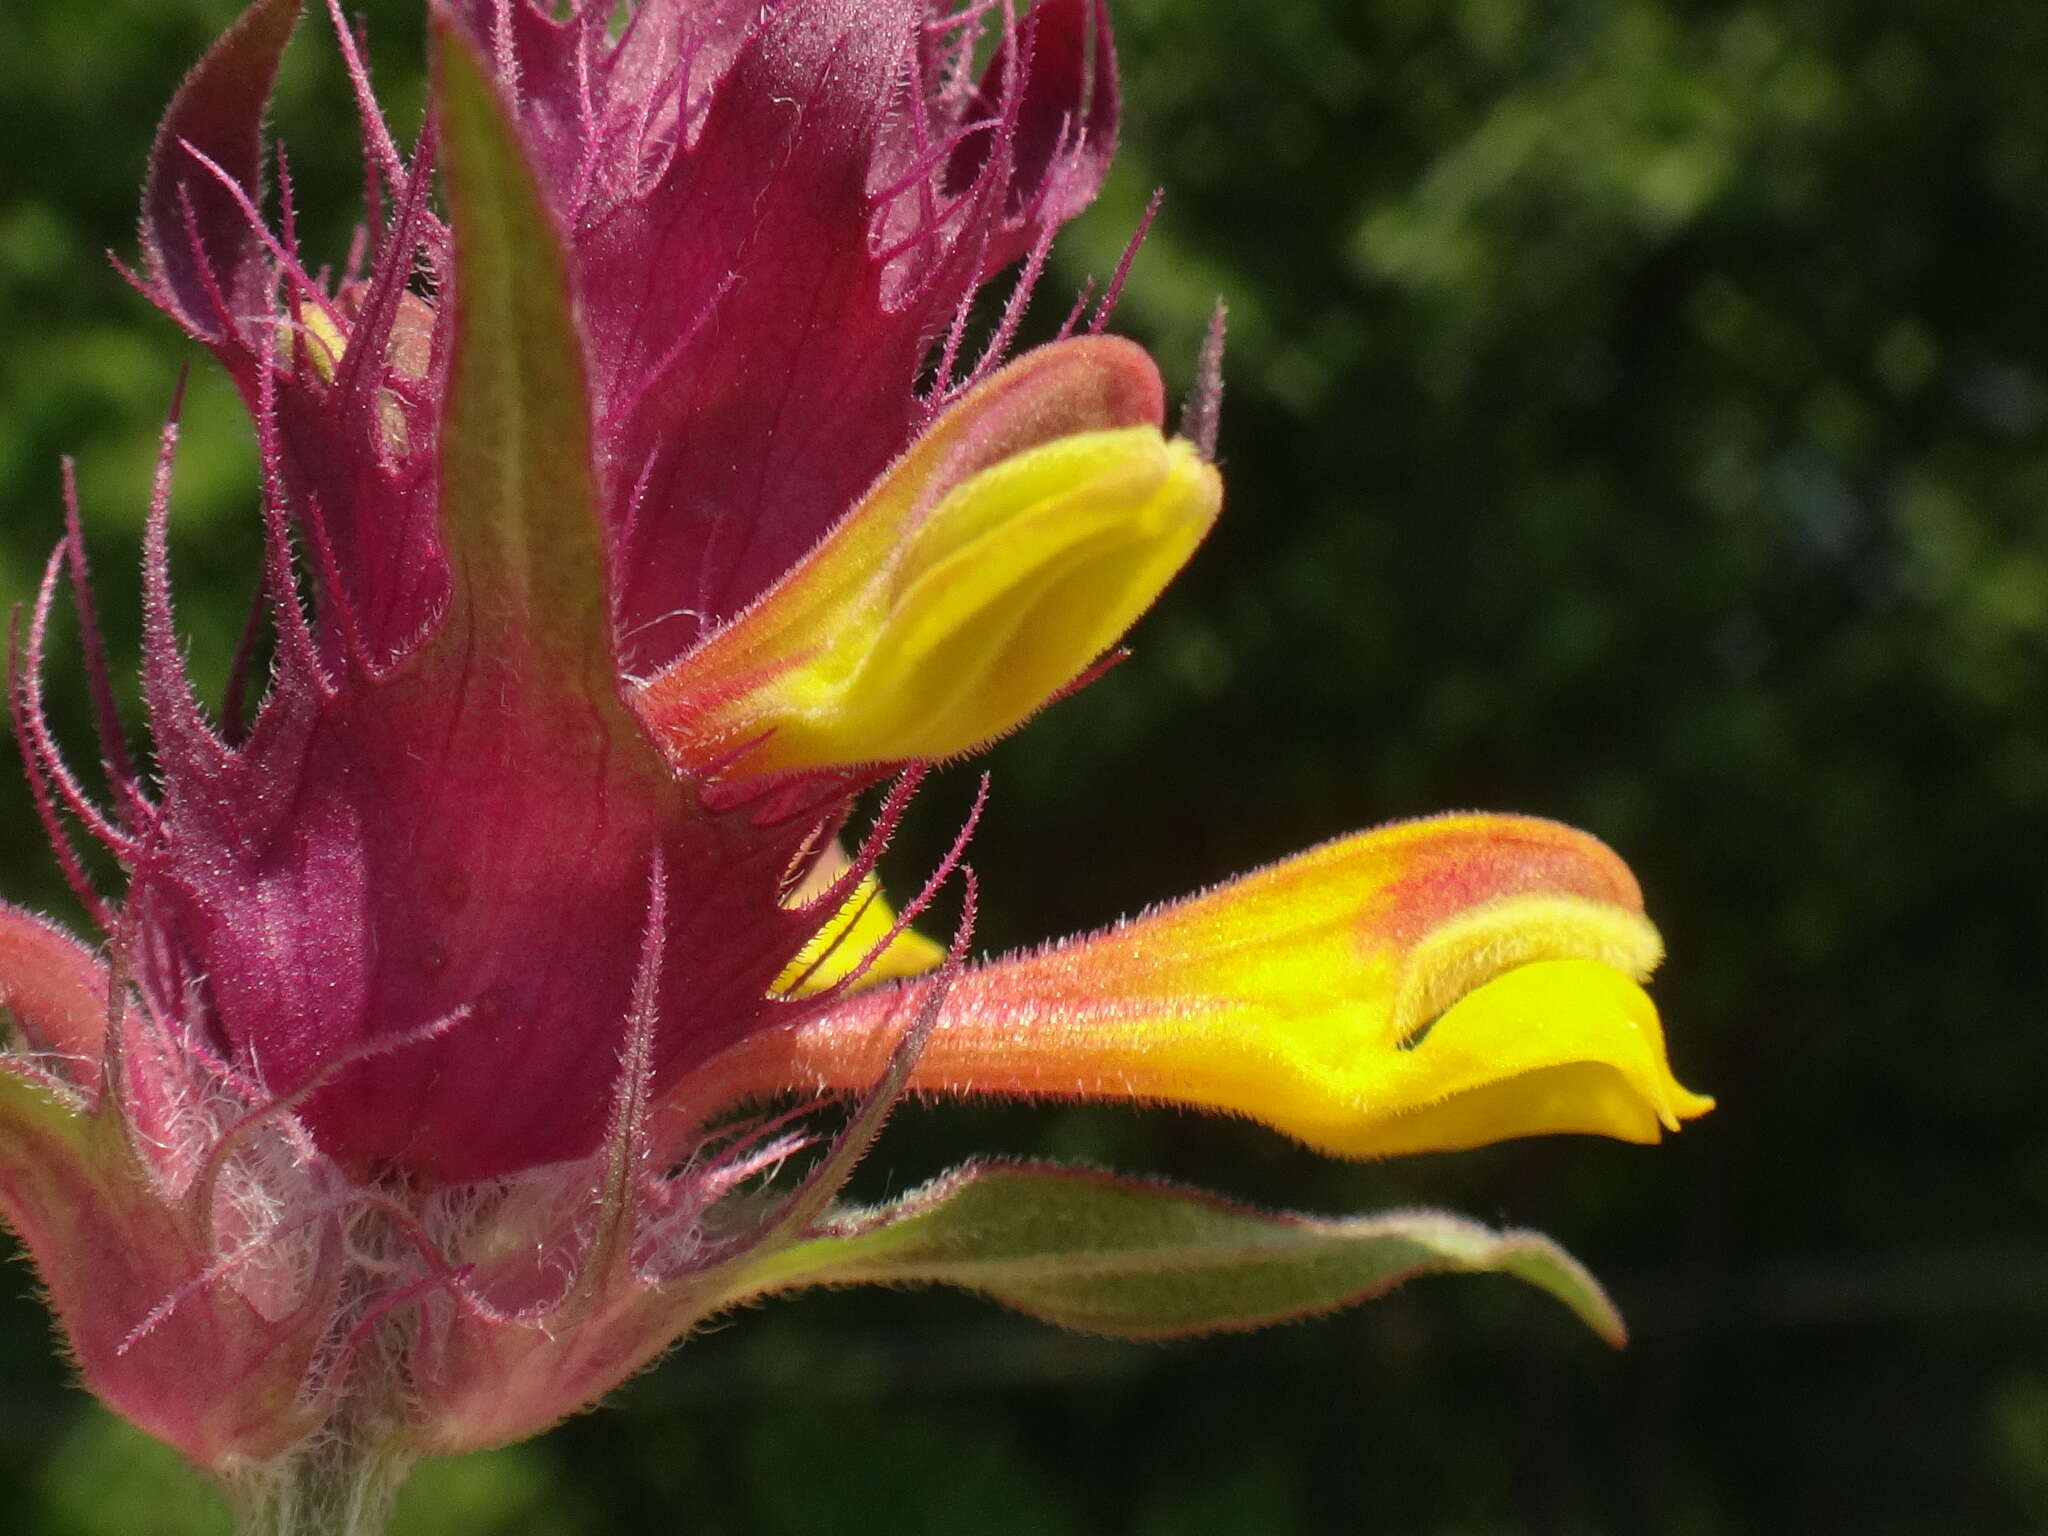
{"x":519,"y":505}
{"x":1142,"y":1259}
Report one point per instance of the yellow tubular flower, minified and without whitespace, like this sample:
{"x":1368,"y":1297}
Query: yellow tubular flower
{"x":1016,"y":542}
{"x":1425,"y":987}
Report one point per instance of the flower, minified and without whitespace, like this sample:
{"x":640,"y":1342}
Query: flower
{"x":624,"y":521}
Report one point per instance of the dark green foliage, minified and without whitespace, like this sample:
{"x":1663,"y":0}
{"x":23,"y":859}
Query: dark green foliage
{"x":1638,"y":414}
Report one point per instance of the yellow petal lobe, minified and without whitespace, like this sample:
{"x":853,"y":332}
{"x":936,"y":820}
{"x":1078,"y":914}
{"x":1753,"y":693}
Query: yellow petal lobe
{"x":1557,"y":1046}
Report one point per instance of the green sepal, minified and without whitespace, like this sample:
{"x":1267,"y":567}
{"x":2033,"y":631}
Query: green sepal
{"x":1142,"y":1259}
{"x":519,"y":505}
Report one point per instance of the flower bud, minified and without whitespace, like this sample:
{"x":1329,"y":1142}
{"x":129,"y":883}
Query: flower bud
{"x":939,"y":616}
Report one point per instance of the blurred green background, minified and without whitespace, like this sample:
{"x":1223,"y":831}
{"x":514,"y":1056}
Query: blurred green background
{"x":1637,"y":415}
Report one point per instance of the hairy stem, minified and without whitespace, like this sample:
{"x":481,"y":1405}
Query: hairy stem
{"x":335,"y":1485}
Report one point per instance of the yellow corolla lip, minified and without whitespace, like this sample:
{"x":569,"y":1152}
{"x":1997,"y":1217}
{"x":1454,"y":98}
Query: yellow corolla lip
{"x":1432,"y":985}
{"x":1553,"y":1047}
{"x":1017,"y":541}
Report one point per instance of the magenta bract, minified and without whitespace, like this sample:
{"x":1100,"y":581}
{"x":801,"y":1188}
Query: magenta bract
{"x":414,"y":945}
{"x":770,"y":215}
